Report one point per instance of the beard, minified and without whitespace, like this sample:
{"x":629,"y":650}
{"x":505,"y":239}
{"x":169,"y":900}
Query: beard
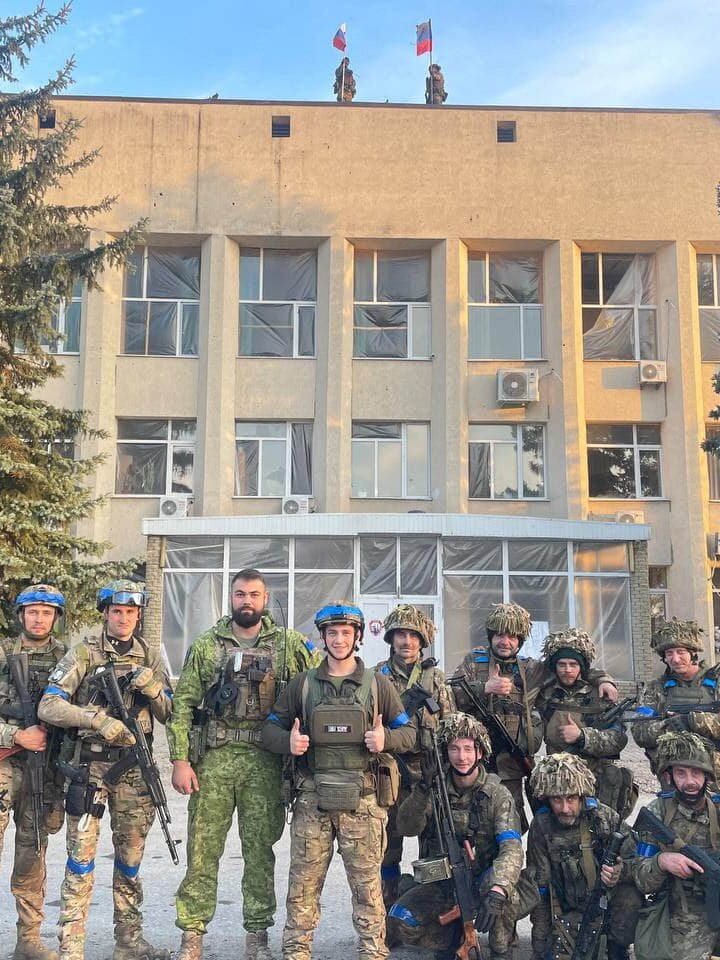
{"x":246,"y":618}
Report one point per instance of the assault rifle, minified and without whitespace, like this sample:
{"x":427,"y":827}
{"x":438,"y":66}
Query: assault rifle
{"x":616,"y":712}
{"x":677,"y":709}
{"x":592,"y":925}
{"x":106,"y":681}
{"x":19,"y":667}
{"x":647,"y":821}
{"x":498,"y":731}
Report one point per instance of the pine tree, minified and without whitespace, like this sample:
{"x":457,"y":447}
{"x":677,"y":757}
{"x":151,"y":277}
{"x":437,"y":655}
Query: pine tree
{"x":44,"y":251}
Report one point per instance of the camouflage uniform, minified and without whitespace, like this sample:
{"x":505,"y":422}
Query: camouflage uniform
{"x":344,"y":85}
{"x":235,"y":773}
{"x":564,"y":861}
{"x":69,"y":701}
{"x":28,"y":880}
{"x":360,"y":832}
{"x":435,"y":86}
{"x":484,"y":814}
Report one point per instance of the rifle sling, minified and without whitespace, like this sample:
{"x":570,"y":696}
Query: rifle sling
{"x":588,"y":858}
{"x":124,"y":764}
{"x":528,"y":712}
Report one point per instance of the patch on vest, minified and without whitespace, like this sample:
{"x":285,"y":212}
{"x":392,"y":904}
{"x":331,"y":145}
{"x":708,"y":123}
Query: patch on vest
{"x":338,"y":728}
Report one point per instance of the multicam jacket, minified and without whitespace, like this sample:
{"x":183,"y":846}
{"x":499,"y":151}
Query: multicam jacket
{"x":42,"y":660}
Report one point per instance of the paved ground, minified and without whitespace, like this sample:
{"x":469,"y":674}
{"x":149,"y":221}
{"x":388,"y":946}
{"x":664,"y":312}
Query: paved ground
{"x":335,"y":937}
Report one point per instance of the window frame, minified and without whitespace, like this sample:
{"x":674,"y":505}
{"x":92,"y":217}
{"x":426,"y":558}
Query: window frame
{"x":517,"y":443}
{"x":637,"y":448}
{"x":169,"y":444}
{"x":714,"y":306}
{"x":475,"y":256}
{"x":712,"y":430}
{"x":403,"y":442}
{"x":295,"y":304}
{"x":287,"y":440}
{"x":59,"y":322}
{"x":180,"y":303}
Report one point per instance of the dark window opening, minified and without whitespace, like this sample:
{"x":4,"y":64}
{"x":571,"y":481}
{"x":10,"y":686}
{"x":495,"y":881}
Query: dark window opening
{"x":46,"y":120}
{"x":506,"y":131}
{"x":281,"y":126}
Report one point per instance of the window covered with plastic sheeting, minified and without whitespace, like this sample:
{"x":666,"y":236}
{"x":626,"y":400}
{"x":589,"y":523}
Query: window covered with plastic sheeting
{"x":272,"y":458}
{"x":392,"y":317}
{"x":259,"y":553}
{"x":404,"y":565}
{"x":160,"y":307}
{"x":713,"y":463}
{"x":471,"y":554}
{"x":591,"y":557}
{"x":505,"y":306}
{"x":466,"y":603}
{"x":277,"y":302}
{"x":619,"y":312}
{"x":418,"y":565}
{"x":324,"y":553}
{"x":390,"y":459}
{"x":182,"y":553}
{"x":603,"y":608}
{"x":537,"y":555}
{"x":506,"y":461}
{"x":192,"y":602}
{"x":709,"y":300}
{"x":546,"y":597}
{"x":378,"y":565}
{"x":624,"y":460}
{"x":154,"y":457}
{"x":313,"y":591}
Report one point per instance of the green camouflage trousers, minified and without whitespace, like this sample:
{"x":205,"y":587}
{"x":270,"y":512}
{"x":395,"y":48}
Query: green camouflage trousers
{"x":27,"y":882}
{"x":690,"y":936}
{"x":361,"y":841}
{"x":243,"y":777}
{"x":131,"y":816}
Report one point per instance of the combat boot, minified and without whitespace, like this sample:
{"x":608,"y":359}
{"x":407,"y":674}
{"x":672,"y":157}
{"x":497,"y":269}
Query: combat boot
{"x":256,"y":946}
{"x":138,"y":949}
{"x":191,"y":946}
{"x":33,"y":950}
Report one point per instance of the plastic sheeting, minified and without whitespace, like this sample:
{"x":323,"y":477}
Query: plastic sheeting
{"x":600,"y":557}
{"x":466,"y":602}
{"x":513,"y":278}
{"x":471,"y":555}
{"x":324,"y":553}
{"x":493,"y":461}
{"x":286,"y":274}
{"x":261,"y":463}
{"x":266,"y":330}
{"x":709,"y":333}
{"x":259,"y":552}
{"x":378,"y":565}
{"x":418,"y":566}
{"x":150,"y":324}
{"x":191,"y":603}
{"x":550,"y":555}
{"x":602,"y":606}
{"x":184,"y":553}
{"x":713,"y":465}
{"x":380,"y":331}
{"x":628,"y":281}
{"x":312,"y":591}
{"x":545,"y":597}
{"x":301,"y":458}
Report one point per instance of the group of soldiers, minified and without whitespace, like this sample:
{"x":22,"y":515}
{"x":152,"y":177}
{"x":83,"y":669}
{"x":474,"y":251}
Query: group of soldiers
{"x":261,"y":721}
{"x":345,"y":86}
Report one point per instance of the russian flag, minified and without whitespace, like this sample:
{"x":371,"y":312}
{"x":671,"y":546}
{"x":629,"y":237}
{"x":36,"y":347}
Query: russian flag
{"x":339,"y":41}
{"x":424,"y":38}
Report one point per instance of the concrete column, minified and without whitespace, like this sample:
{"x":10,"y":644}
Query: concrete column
{"x":571,"y":374}
{"x":449,"y":427}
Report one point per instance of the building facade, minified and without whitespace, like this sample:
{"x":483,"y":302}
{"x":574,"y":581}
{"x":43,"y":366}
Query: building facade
{"x":475,"y":344}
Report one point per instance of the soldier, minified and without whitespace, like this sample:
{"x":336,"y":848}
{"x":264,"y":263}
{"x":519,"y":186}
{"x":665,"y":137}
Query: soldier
{"x":572,"y":709}
{"x":566,"y":842}
{"x":508,"y":687}
{"x":435,"y":85}
{"x":685,"y":766}
{"x":485,"y":817}
{"x":344,"y":85}
{"x":408,"y":632}
{"x":230,"y":679}
{"x":38,"y":608}
{"x":72,"y":701}
{"x":686,"y":680}
{"x":335,"y":720}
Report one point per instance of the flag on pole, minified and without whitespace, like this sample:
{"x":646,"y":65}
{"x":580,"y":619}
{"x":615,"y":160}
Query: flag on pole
{"x":424,"y":38}
{"x":339,"y":41}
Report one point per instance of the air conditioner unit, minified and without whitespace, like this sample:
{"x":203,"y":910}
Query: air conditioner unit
{"x":515,"y":387}
{"x":715,"y":545}
{"x":652,"y":371}
{"x":174,"y":506}
{"x":630,"y":516}
{"x":291,"y":506}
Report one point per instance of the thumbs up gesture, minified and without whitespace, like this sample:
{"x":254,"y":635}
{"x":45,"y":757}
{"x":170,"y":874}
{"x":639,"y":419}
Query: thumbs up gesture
{"x":375,"y":736}
{"x":569,"y":730}
{"x":299,"y":742}
{"x":497,"y":684}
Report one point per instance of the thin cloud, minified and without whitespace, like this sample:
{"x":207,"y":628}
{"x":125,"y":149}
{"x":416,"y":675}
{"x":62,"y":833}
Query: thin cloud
{"x":109,"y":31}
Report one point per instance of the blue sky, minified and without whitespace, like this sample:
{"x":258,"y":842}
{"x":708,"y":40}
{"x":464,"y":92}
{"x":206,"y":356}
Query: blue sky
{"x":634,"y":53}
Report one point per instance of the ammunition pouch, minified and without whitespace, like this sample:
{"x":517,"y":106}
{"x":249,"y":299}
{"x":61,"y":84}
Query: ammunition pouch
{"x":246,"y":688}
{"x":197,"y":742}
{"x":431,"y":870}
{"x":80,"y":794}
{"x":339,"y":790}
{"x":387,"y":779}
{"x":616,"y":788}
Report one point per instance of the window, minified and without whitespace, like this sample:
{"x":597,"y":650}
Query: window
{"x":392,"y":304}
{"x":161,"y":306}
{"x":712,"y":432}
{"x":658,"y":596}
{"x":155,"y":457}
{"x":272,"y":458}
{"x":624,"y":460}
{"x":277,"y":302}
{"x":280,"y":126}
{"x":506,"y":131}
{"x":505,"y":306}
{"x":709,"y":301}
{"x":66,"y":324}
{"x":506,"y":461}
{"x":619,"y":312}
{"x":390,"y":459}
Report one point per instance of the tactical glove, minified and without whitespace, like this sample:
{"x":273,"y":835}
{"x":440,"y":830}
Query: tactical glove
{"x":112,"y":731}
{"x":677,"y":724}
{"x":428,"y":768}
{"x":143,"y":680}
{"x":490,"y":910}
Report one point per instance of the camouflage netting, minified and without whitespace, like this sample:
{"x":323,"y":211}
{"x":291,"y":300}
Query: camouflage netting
{"x":677,"y":633}
{"x":407,"y":617}
{"x":562,"y":775}
{"x":684,"y":750}
{"x":571,"y":638}
{"x":509,"y":618}
{"x":460,"y":726}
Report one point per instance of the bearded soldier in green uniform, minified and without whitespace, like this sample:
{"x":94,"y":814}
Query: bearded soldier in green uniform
{"x":685,"y":767}
{"x":486,"y":820}
{"x":409,"y":632}
{"x":686,"y":680}
{"x":38,"y":608}
{"x":566,"y":842}
{"x":228,"y":684}
{"x":508,"y":687}
{"x":572,"y":709}
{"x":335,"y":721}
{"x":71,"y":700}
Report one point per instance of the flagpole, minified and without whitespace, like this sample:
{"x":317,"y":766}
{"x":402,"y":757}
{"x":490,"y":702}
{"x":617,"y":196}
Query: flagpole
{"x":430,"y":74}
{"x":342,"y":87}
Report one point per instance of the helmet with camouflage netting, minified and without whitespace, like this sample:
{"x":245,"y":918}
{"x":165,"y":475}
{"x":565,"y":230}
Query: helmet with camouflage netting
{"x":461,"y":726}
{"x":509,"y":618}
{"x":684,"y":750}
{"x":407,"y":617}
{"x":562,"y":775}
{"x":570,"y":643}
{"x":677,"y":633}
